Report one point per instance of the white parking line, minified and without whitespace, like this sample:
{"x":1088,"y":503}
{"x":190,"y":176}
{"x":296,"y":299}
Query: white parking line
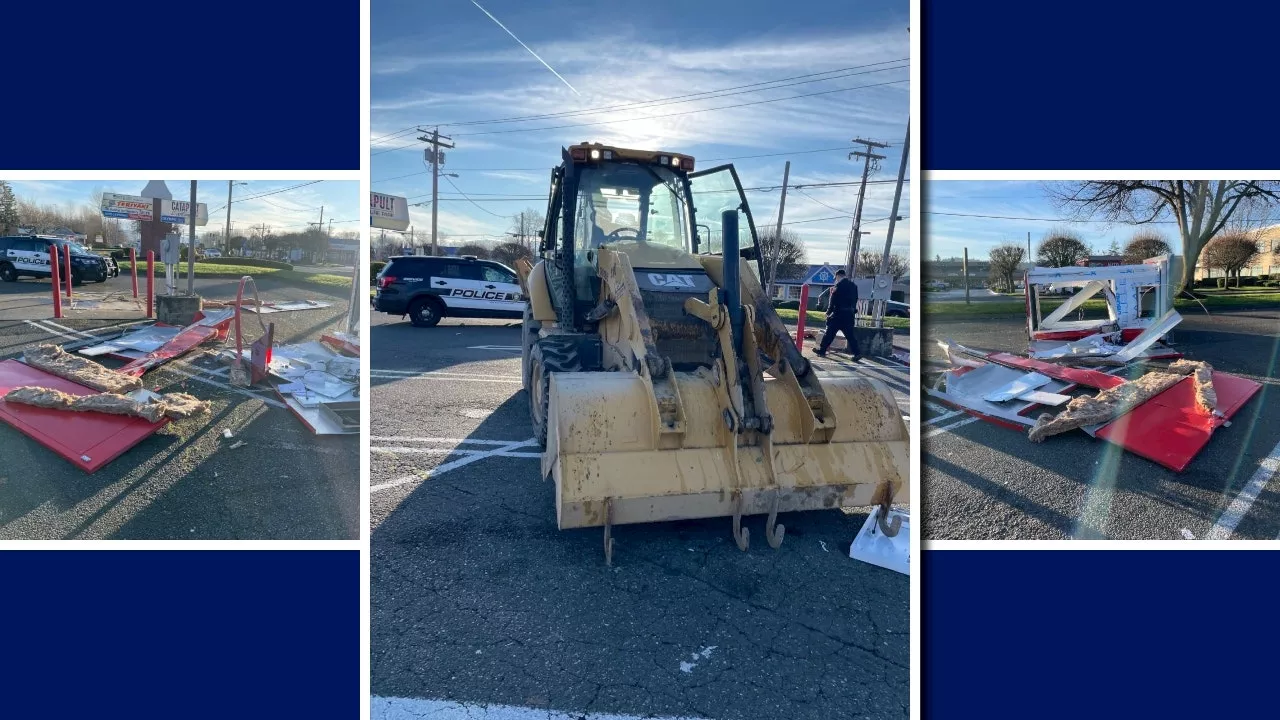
{"x":443,"y":378}
{"x":500,"y":451}
{"x":382,"y":708}
{"x":52,"y":331}
{"x":1235,"y":512}
{"x":946,"y":415}
{"x":939,"y":430}
{"x":81,"y":333}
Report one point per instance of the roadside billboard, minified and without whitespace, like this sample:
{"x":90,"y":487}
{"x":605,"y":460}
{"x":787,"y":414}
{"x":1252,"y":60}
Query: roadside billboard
{"x":388,"y":212}
{"x":126,"y":207}
{"x":179,"y":212}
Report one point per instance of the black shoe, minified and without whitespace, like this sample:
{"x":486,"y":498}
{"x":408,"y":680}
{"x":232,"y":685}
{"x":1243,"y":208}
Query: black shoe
{"x":820,"y":352}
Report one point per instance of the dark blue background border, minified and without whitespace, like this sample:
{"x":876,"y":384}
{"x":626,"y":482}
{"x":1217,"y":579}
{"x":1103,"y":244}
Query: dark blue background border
{"x":229,"y":85}
{"x":180,"y":634}
{"x":1100,"y":634}
{"x":1098,"y":84}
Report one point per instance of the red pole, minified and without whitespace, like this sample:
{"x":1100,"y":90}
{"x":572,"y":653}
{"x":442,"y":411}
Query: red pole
{"x":151,"y":282}
{"x":53,"y":275}
{"x":67,"y":258}
{"x":133,"y":266}
{"x":802,"y":315}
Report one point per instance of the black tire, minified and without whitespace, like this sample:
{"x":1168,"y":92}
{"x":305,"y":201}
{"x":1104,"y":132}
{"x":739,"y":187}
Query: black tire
{"x":528,"y":337}
{"x":425,"y":312}
{"x":538,"y":384}
{"x":8,"y":273}
{"x":76,"y":278}
{"x":551,"y":354}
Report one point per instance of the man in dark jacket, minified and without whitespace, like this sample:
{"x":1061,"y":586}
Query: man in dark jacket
{"x":840,"y":315}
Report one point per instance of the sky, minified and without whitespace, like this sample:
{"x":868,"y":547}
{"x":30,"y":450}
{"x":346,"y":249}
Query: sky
{"x":448,"y":63}
{"x":280,"y":204}
{"x":983,"y":214}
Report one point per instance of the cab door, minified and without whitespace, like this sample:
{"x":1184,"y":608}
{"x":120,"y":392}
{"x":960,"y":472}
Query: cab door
{"x":501,"y":289}
{"x":30,"y":256}
{"x":458,"y":284}
{"x":714,"y":191}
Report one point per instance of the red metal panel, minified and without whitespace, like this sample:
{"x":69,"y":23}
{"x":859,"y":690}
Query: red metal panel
{"x":1170,"y":429}
{"x":183,"y":342}
{"x":1063,"y":334}
{"x":88,"y":440}
{"x":1079,"y":376}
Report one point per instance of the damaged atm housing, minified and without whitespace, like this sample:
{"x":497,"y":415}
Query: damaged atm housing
{"x":1136,"y":296}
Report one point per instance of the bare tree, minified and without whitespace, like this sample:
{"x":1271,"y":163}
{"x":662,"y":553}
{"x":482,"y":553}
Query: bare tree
{"x":1201,"y":208}
{"x":1231,"y":252}
{"x":869,"y":264}
{"x":789,"y":251}
{"x":1005,"y":260}
{"x":476,"y":249}
{"x":1145,"y":244}
{"x":509,"y":252}
{"x":1061,"y":248}
{"x":526,"y":227}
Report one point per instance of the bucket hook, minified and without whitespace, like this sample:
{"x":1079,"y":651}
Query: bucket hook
{"x":608,"y":532}
{"x":741,"y":535}
{"x":774,"y":532}
{"x":889,"y":528}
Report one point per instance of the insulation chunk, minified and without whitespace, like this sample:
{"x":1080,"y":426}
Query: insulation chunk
{"x":173,"y":405}
{"x":55,"y":361}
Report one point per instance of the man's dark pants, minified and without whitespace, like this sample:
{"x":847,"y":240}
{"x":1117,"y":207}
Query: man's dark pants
{"x":840,"y":322}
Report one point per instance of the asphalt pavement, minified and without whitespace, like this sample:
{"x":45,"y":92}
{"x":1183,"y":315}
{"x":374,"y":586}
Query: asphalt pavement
{"x":479,"y":602}
{"x":982,"y":481}
{"x":184,"y":482}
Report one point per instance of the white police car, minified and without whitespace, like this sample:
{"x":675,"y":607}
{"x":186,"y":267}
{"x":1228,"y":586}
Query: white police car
{"x":28,"y":256}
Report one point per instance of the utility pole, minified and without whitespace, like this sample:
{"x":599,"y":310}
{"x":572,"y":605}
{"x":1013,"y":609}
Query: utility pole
{"x":436,"y":157}
{"x":777,"y":232}
{"x":897,"y":196}
{"x":191,"y":241}
{"x":964,"y":269}
{"x":869,"y":159}
{"x":227,"y":237}
{"x":1028,"y":247}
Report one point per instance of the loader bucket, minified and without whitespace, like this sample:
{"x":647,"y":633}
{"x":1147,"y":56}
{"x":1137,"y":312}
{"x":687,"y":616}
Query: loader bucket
{"x":613,"y":461}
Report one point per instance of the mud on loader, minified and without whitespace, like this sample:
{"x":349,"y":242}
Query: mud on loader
{"x":661,"y":382}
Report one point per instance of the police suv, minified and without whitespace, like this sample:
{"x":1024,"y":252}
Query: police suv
{"x":428,"y":288}
{"x":29,"y":255}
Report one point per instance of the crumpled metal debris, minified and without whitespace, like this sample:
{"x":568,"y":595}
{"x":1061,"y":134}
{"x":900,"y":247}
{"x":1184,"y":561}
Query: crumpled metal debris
{"x":1111,"y":403}
{"x":174,"y":405}
{"x":56,"y":361}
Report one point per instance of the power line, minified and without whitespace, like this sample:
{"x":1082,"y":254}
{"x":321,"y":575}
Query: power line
{"x":691,"y":112}
{"x":657,"y":102}
{"x":661,"y":117}
{"x":473,"y":202}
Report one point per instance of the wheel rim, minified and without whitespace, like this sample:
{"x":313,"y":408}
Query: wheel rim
{"x":536,"y":395}
{"x":426,"y":312}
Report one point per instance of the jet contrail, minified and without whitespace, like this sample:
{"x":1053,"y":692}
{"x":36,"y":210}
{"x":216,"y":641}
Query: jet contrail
{"x":526,"y":47}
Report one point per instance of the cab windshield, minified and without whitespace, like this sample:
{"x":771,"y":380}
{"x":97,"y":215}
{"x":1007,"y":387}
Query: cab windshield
{"x":624,"y":203}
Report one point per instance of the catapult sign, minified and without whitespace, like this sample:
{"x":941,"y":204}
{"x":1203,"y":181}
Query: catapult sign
{"x":388,"y":212}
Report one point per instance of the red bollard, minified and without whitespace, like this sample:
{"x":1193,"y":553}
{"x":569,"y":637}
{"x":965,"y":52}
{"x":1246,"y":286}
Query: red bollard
{"x":53,"y":275}
{"x":802,"y":315}
{"x":133,"y":267}
{"x":67,"y":260}
{"x":151,"y":283}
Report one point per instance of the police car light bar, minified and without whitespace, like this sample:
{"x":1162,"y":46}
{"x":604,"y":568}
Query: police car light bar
{"x":595,"y":152}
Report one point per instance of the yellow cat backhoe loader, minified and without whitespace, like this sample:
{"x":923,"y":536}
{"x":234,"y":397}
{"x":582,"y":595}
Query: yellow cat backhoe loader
{"x":661,"y":381}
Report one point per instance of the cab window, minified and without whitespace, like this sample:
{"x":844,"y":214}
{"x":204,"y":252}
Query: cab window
{"x":493,"y":274}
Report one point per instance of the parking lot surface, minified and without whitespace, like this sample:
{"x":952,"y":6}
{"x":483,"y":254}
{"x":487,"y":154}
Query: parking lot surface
{"x":983,"y":481}
{"x":479,"y":602}
{"x":185,"y":482}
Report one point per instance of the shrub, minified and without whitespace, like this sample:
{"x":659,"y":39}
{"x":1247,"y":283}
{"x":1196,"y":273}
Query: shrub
{"x":1222,"y":283}
{"x":251,"y":262}
{"x":374,"y":269}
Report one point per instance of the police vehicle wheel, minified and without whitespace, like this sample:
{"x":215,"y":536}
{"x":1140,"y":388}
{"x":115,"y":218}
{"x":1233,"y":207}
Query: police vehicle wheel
{"x":76,"y":278}
{"x":7,"y":273}
{"x":424,"y":313}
